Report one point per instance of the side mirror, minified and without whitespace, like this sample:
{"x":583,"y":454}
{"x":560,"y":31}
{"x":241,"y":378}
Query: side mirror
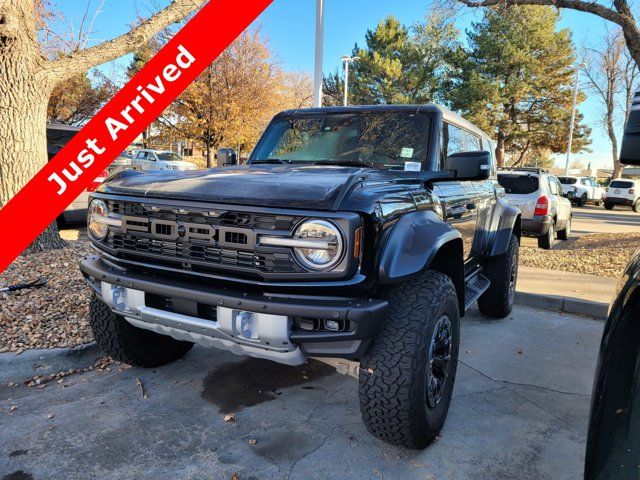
{"x":630,"y":151}
{"x":227,"y":156}
{"x":469,"y":165}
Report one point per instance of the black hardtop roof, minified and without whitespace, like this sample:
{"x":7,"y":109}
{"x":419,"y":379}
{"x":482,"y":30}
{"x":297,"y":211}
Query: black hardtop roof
{"x":447,"y":114}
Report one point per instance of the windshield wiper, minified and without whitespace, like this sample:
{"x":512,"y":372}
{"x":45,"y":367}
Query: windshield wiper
{"x":351,"y":163}
{"x":271,"y":160}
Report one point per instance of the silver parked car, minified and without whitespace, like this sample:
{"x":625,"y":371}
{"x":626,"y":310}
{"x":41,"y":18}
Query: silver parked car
{"x":148,"y":159}
{"x":538,"y":195}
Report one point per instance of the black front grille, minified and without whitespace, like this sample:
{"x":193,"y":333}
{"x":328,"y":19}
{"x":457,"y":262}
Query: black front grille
{"x":230,"y":248}
{"x":256,"y":221}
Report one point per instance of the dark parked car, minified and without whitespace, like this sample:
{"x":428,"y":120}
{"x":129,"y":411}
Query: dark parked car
{"x":360,"y":232}
{"x":58,"y":134}
{"x":613,"y":446}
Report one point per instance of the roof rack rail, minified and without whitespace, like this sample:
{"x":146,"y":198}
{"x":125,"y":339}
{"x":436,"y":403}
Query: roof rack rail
{"x":525,"y":169}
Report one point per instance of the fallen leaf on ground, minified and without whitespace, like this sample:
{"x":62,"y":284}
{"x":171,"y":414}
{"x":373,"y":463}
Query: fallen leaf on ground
{"x":252,"y":441}
{"x":142,"y":388}
{"x":230,"y":417}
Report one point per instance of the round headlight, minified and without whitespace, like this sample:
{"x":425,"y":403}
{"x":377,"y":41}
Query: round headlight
{"x":98,"y":211}
{"x":330,"y":244}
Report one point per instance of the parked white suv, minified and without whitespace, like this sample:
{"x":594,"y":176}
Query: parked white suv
{"x":161,"y":160}
{"x":538,"y":194}
{"x":581,"y":190}
{"x":624,"y":192}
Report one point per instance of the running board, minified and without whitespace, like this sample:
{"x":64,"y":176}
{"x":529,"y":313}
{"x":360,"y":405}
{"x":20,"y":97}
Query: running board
{"x":475,"y":286}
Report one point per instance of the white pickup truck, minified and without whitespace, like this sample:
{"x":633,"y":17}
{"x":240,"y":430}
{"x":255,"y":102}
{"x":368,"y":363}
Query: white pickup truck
{"x":582,"y":190}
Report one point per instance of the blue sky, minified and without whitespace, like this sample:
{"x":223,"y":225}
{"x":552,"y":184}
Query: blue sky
{"x":289,"y":27}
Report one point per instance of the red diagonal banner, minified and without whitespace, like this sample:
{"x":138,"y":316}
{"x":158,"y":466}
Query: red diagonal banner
{"x":121,"y":120}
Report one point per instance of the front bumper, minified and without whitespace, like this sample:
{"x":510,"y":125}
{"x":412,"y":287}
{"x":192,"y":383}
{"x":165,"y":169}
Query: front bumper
{"x":360,"y":319}
{"x":536,"y":226}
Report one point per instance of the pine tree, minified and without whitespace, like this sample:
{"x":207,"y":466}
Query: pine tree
{"x":403,"y":65}
{"x":515,"y":81}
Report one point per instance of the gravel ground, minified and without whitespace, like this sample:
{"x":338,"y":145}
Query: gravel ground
{"x":51,"y":316}
{"x":604,"y":255}
{"x":56,"y":315}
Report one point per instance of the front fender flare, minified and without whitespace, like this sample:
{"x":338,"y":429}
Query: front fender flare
{"x":508,"y":224}
{"x":412,"y":243}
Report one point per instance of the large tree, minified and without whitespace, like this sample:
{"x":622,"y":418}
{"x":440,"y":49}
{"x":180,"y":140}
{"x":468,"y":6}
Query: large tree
{"x":400,"y":64}
{"x":28,"y":76}
{"x":515,"y":81}
{"x":612,"y":74}
{"x":620,"y":12}
{"x":77,"y":99}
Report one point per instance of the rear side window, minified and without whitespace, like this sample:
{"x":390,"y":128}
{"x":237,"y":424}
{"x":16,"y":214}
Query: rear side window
{"x":520,"y":184}
{"x":621,"y":184}
{"x":567,"y":180}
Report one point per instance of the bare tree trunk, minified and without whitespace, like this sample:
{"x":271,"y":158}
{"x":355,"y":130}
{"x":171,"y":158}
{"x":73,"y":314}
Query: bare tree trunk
{"x":24,"y":93}
{"x":209,"y":159}
{"x":617,"y":166}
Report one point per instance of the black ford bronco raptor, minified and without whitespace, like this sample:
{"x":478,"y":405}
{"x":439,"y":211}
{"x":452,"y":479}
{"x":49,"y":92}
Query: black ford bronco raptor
{"x":363,"y":233}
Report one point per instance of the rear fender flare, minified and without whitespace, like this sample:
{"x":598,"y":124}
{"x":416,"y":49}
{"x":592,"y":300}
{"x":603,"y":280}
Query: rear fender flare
{"x":412,"y":244}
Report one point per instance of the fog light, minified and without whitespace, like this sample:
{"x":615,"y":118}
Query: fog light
{"x":332,"y":325}
{"x":247,"y":325}
{"x":119,"y":297}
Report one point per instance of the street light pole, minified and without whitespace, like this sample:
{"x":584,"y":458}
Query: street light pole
{"x":576,"y":85}
{"x":346,"y":59}
{"x":317,"y":74}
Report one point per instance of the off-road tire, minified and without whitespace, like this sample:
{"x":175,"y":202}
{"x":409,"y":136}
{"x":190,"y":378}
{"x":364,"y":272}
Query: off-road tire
{"x":393,"y":371}
{"x":564,"y":234}
{"x":608,"y":206}
{"x":636,"y":207}
{"x":498,"y":300}
{"x":126,"y":343}
{"x":582,"y":201}
{"x":546,"y":241}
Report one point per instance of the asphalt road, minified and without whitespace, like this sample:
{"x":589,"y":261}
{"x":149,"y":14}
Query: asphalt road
{"x":592,"y":219}
{"x":519,"y":411}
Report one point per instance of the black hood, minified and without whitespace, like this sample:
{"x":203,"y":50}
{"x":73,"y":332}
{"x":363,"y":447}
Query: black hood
{"x":287,"y":186}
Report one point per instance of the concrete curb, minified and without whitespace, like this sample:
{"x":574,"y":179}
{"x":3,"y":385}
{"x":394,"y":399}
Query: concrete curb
{"x":16,"y":368}
{"x":575,"y":306}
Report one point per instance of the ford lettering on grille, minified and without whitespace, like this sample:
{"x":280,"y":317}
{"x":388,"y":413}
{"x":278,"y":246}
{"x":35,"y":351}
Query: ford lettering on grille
{"x":202,"y":233}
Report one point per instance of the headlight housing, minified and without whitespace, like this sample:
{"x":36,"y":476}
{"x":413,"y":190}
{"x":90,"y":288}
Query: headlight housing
{"x":330,"y":242}
{"x":96,"y":215}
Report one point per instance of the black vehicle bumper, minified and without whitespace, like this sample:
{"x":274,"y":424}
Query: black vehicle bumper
{"x":360,"y":319}
{"x":619,"y":201}
{"x":536,"y":226}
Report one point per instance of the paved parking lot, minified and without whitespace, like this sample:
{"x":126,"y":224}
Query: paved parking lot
{"x":519,"y":411}
{"x":592,"y":219}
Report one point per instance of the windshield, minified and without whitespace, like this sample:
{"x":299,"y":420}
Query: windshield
{"x":567,"y":180}
{"x":169,"y":156}
{"x":520,"y":184}
{"x":621,"y":184}
{"x":395,"y":140}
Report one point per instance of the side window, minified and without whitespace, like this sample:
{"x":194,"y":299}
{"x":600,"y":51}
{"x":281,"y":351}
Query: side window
{"x":141,"y":155}
{"x":553,"y":188}
{"x":584,"y":181}
{"x":457,"y":140}
{"x":558,"y":185}
{"x":473,"y":143}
